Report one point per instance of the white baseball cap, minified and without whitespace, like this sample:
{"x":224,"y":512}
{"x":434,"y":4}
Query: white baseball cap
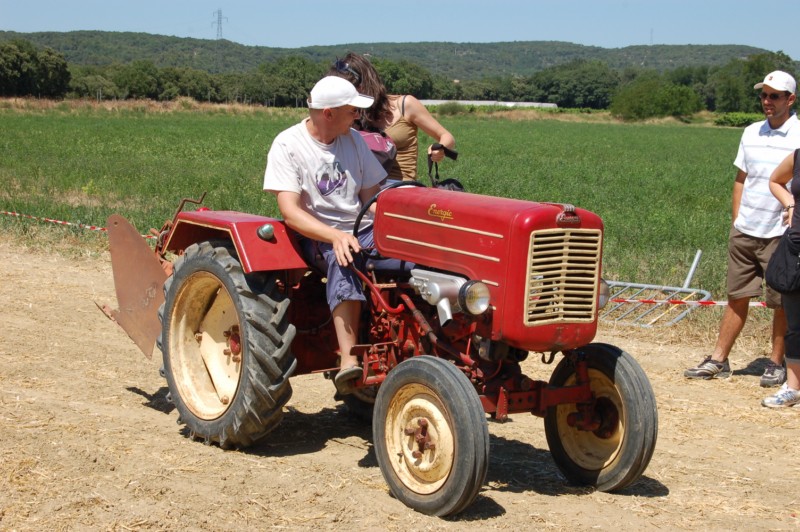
{"x":780,"y":81}
{"x":333,"y":91}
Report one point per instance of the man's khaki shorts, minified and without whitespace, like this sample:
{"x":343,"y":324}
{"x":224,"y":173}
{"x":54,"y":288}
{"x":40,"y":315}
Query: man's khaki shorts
{"x":747,"y":261}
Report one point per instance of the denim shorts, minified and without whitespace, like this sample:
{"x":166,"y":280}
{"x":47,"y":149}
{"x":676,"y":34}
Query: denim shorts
{"x":343,"y":283}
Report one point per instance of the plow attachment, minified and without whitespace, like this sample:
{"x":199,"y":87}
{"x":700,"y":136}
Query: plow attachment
{"x":138,"y":281}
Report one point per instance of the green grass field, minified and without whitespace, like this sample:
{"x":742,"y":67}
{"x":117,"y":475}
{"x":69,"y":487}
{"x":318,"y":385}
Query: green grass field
{"x":663,"y":190}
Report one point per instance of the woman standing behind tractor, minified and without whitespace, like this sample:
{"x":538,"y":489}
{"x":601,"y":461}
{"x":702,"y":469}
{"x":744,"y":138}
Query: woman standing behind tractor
{"x":399,"y":116}
{"x":789,"y":394}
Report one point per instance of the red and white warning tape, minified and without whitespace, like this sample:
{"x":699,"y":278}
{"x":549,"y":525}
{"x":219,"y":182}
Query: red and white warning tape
{"x":51,"y":220}
{"x":61,"y":222}
{"x":681,"y":302}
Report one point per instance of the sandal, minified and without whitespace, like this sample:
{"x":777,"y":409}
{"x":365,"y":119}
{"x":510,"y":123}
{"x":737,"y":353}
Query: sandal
{"x":345,"y":377}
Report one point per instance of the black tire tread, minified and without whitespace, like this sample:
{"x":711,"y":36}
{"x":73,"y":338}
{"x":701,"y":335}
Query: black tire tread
{"x":469,"y":418}
{"x":641,"y":432}
{"x":265,"y":388}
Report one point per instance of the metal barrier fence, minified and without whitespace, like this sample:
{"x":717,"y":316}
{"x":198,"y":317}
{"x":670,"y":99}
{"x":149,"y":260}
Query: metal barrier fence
{"x":647,"y":305}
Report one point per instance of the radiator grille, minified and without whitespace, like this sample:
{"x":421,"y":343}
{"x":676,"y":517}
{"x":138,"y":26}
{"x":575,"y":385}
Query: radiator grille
{"x":563,"y":276}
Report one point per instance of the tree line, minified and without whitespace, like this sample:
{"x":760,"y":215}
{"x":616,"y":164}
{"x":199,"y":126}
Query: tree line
{"x":630,"y":93}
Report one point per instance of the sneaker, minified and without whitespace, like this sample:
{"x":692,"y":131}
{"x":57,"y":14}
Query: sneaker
{"x":783,"y":398}
{"x":709,"y":369}
{"x":774,"y":375}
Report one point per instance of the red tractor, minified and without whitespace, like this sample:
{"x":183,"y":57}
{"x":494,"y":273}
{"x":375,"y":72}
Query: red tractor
{"x":493,"y":280}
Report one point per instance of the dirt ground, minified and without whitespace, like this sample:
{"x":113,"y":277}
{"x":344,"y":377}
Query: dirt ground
{"x":88,"y":440}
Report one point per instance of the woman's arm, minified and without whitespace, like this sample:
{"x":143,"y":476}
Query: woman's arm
{"x":777,"y":185}
{"x":418,"y":115}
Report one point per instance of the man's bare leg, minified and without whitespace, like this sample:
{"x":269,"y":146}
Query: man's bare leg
{"x":345,"y":322}
{"x":733,"y":320}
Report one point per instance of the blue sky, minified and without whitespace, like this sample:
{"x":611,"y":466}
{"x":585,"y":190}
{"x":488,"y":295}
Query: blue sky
{"x":294,"y":23}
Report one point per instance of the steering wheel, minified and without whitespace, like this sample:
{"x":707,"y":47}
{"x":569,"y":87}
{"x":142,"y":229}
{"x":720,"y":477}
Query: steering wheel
{"x":373,"y":253}
{"x":373,"y":199}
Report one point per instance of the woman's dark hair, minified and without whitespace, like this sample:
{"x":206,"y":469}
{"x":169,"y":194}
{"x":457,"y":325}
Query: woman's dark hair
{"x":359,"y":71}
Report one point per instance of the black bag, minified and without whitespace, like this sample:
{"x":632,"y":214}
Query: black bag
{"x":783,"y":270}
{"x":447,"y":184}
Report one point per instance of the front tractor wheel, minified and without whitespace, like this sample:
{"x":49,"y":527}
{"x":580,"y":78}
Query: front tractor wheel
{"x":430,"y":435}
{"x":225,"y":340}
{"x":616,"y":453}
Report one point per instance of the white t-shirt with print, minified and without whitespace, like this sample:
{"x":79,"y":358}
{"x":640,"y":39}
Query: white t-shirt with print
{"x":328,"y":177}
{"x":760,"y":151}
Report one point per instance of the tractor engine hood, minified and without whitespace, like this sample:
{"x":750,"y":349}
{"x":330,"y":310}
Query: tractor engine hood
{"x":536,"y":258}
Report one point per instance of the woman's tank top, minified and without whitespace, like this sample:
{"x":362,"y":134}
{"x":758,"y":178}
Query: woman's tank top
{"x":404,"y":135}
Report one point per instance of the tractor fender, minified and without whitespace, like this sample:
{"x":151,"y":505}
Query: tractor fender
{"x":276,"y":249}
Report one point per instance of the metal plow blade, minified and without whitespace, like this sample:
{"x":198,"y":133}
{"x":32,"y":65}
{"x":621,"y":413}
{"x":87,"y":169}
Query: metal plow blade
{"x":138,"y":280}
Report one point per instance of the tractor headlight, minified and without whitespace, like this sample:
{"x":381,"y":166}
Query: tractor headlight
{"x":604,"y":294}
{"x":450,"y":293}
{"x":473,"y":297}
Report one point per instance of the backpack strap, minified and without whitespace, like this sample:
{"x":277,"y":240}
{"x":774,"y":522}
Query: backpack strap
{"x":403,"y":105}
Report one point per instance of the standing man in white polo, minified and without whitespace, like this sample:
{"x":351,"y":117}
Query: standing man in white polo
{"x":757,"y":226}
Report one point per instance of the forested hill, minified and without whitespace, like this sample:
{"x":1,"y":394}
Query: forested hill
{"x":451,"y":60}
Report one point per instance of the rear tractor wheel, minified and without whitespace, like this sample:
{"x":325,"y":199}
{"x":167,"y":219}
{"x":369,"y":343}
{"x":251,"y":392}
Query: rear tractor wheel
{"x":225,"y":341}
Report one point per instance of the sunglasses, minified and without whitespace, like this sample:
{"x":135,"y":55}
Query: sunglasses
{"x":344,"y":68}
{"x":771,"y":95}
{"x":354,"y":111}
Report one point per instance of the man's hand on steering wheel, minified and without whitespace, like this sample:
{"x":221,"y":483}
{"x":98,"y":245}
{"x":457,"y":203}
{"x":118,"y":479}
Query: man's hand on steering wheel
{"x":345,"y":247}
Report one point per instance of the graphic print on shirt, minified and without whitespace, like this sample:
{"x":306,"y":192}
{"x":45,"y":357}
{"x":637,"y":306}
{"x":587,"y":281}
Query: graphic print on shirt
{"x":330,"y":177}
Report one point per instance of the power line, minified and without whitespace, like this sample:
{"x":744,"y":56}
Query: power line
{"x":218,"y":22}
